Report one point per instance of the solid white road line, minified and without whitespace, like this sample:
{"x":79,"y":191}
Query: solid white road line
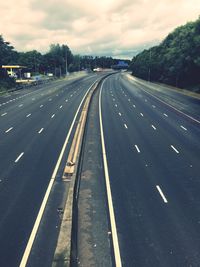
{"x":183,"y":128}
{"x":125,"y":126}
{"x":153,"y":127}
{"x":4,"y":114}
{"x":19,"y":157}
{"x":7,"y":131}
{"x":108,"y":190}
{"x":53,"y":116}
{"x":161,"y":193}
{"x":28,"y":115}
{"x":174,"y":149}
{"x":165,"y":115}
{"x":41,"y":130}
{"x":171,"y":106}
{"x":45,"y":199}
{"x":137,"y":148}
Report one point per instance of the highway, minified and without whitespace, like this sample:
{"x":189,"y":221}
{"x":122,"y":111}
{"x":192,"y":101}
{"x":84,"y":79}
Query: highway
{"x":153,"y":154}
{"x":33,"y":127}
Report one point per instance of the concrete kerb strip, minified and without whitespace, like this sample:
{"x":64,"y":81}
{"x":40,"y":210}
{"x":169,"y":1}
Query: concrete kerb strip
{"x":62,"y":255}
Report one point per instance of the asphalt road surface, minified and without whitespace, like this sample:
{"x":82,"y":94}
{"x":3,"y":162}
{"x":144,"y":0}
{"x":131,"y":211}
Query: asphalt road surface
{"x":153,"y":155}
{"x":33,"y":127}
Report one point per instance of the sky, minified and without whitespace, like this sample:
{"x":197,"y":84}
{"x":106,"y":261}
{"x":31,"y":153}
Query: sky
{"x":117,"y":28}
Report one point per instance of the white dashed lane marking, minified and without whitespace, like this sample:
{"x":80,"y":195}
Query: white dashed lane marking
{"x":165,"y":115}
{"x":161,"y":193}
{"x":20,"y":105}
{"x":4,"y":114}
{"x":153,"y":127}
{"x":41,"y":130}
{"x":41,"y":106}
{"x":174,"y":149}
{"x":137,"y":148}
{"x":142,"y":114}
{"x":7,"y":131}
{"x":185,"y":129}
{"x":19,"y":157}
{"x":53,"y":116}
{"x":28,"y":115}
{"x":125,"y":126}
{"x":119,"y":114}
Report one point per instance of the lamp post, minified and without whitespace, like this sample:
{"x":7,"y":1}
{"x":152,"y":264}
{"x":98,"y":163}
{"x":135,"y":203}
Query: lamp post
{"x":66,"y":63}
{"x":149,"y":73}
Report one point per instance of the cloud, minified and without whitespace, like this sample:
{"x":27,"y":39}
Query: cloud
{"x":105,"y":27}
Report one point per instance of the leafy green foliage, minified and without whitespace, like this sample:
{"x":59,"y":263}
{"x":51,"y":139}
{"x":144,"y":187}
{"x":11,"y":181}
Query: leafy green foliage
{"x":176,"y":61}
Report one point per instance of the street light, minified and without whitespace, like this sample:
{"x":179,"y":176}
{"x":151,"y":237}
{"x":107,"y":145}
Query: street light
{"x":149,"y":73}
{"x":66,"y":63}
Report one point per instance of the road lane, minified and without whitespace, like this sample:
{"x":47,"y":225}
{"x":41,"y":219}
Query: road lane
{"x":28,"y":155}
{"x":154,"y":188}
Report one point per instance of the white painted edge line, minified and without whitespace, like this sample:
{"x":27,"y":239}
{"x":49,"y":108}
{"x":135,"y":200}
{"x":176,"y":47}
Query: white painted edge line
{"x":174,"y":149}
{"x":46,"y":196}
{"x":19,"y":157}
{"x":125,"y":126}
{"x":188,"y":116}
{"x":108,"y":190}
{"x":137,"y":148}
{"x":7,"y":131}
{"x":28,"y":115}
{"x":161,"y":193}
{"x":41,"y":130}
{"x":153,"y":127}
{"x":183,"y":128}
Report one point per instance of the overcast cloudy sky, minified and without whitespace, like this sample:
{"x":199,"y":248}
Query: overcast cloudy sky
{"x":119,"y":28}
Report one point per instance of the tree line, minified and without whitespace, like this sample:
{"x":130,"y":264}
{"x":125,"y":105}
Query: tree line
{"x":176,"y":61}
{"x":57,"y":61}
